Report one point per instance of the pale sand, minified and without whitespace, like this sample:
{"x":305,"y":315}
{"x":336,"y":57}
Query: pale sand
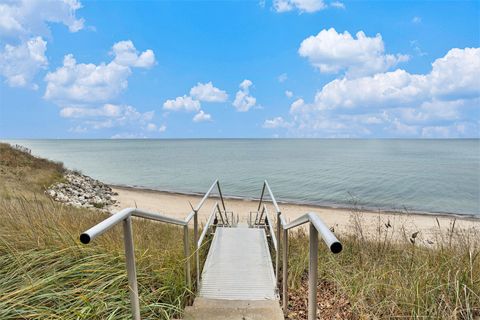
{"x":342,"y":220}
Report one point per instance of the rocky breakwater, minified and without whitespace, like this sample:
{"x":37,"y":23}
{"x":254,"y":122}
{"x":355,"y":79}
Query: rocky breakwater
{"x":82,"y":191}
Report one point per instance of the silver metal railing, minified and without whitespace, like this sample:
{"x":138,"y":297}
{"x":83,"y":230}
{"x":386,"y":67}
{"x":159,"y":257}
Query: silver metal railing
{"x":126,"y":215}
{"x":316,"y":226}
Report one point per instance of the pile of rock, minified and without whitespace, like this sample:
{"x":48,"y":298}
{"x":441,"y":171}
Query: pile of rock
{"x":82,"y":191}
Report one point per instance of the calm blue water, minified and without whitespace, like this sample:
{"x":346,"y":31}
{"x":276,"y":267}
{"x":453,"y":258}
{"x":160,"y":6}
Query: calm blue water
{"x":419,"y":175}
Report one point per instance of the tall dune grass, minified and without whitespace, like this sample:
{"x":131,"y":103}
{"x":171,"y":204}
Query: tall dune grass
{"x":386,"y":278}
{"x":46,"y":273}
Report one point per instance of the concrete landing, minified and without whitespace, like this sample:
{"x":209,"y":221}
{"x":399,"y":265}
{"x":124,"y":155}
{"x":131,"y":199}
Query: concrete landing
{"x":215,"y":309}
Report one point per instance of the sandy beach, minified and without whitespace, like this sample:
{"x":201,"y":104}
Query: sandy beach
{"x":342,"y":221}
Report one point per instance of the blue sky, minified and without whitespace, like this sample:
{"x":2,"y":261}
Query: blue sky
{"x":198,"y":69}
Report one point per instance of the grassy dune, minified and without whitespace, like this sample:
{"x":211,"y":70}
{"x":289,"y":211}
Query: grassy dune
{"x":384,"y":279}
{"x":47,"y":274}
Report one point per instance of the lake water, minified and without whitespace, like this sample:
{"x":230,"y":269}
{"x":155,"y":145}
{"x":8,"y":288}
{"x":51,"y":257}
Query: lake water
{"x":412,"y":175}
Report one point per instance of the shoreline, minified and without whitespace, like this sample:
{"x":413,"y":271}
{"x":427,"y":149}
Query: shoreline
{"x":373,"y":225}
{"x":463,"y":216}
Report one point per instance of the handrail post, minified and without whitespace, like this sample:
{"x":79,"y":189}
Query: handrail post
{"x":195,"y":237}
{"x":285,"y":271}
{"x":186,"y":249}
{"x":261,"y":197}
{"x":313,"y":274}
{"x":277,"y":255}
{"x":221,"y":215}
{"x":131,"y":271}
{"x":221,"y":196}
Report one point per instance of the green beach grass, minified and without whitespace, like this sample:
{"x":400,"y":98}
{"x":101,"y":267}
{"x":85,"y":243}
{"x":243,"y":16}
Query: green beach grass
{"x":46,"y":273}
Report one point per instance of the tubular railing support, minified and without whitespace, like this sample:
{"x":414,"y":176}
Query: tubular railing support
{"x":221,"y":196}
{"x":195,"y":241}
{"x":313,"y":274}
{"x":131,"y":271}
{"x":186,"y":249}
{"x":220,"y":213}
{"x":261,"y":197}
{"x":285,"y":271}
{"x":277,"y":254}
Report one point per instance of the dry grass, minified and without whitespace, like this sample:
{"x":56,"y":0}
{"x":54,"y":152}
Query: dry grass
{"x":47,"y":274}
{"x":387,"y":279}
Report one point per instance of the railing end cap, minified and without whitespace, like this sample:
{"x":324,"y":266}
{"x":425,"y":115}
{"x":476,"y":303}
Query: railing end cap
{"x":336,"y":247}
{"x":84,"y":238}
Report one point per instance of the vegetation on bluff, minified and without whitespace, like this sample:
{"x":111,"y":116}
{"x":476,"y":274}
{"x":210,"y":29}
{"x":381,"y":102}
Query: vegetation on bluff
{"x":47,"y":274}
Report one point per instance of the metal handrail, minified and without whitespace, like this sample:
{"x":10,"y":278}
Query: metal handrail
{"x":316,"y":226}
{"x":279,"y":213}
{"x":126,"y":215}
{"x":270,"y":226}
{"x":207,"y":225}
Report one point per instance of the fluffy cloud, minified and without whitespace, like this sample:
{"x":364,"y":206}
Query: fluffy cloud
{"x":152,"y":127}
{"x":207,"y":92}
{"x":87,"y":83}
{"x":109,"y":116}
{"x":107,"y":110}
{"x":22,"y":23}
{"x":301,"y":5}
{"x":297,"y":105}
{"x":243,"y":100}
{"x":185,"y":103}
{"x":23,"y":18}
{"x":288,"y":93}
{"x":19,"y":64}
{"x":202,"y":116}
{"x":337,"y":4}
{"x":277,"y":122}
{"x":454,"y":76}
{"x":127,"y":55}
{"x":191,"y":103}
{"x":443,"y":102}
{"x":78,"y":88}
{"x":333,"y":52}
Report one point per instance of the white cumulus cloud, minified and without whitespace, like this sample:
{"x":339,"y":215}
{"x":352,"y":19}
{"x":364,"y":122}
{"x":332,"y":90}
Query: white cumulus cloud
{"x":333,"y":52}
{"x":24,"y":18}
{"x":19,"y":64}
{"x":87,"y":82}
{"x":127,"y":55}
{"x":152,"y":127}
{"x":443,"y":102}
{"x":23,"y":24}
{"x":108,"y":116}
{"x":201,"y":116}
{"x":107,"y":110}
{"x":308,"y":6}
{"x":277,"y":122}
{"x":185,"y":103}
{"x":207,"y":92}
{"x":288,"y":93}
{"x":337,"y":4}
{"x":243,"y":100}
{"x":454,"y":76}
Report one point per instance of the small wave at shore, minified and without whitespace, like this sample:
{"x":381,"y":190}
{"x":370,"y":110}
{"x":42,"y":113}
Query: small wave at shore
{"x":421,"y":176}
{"x":305,"y":203}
